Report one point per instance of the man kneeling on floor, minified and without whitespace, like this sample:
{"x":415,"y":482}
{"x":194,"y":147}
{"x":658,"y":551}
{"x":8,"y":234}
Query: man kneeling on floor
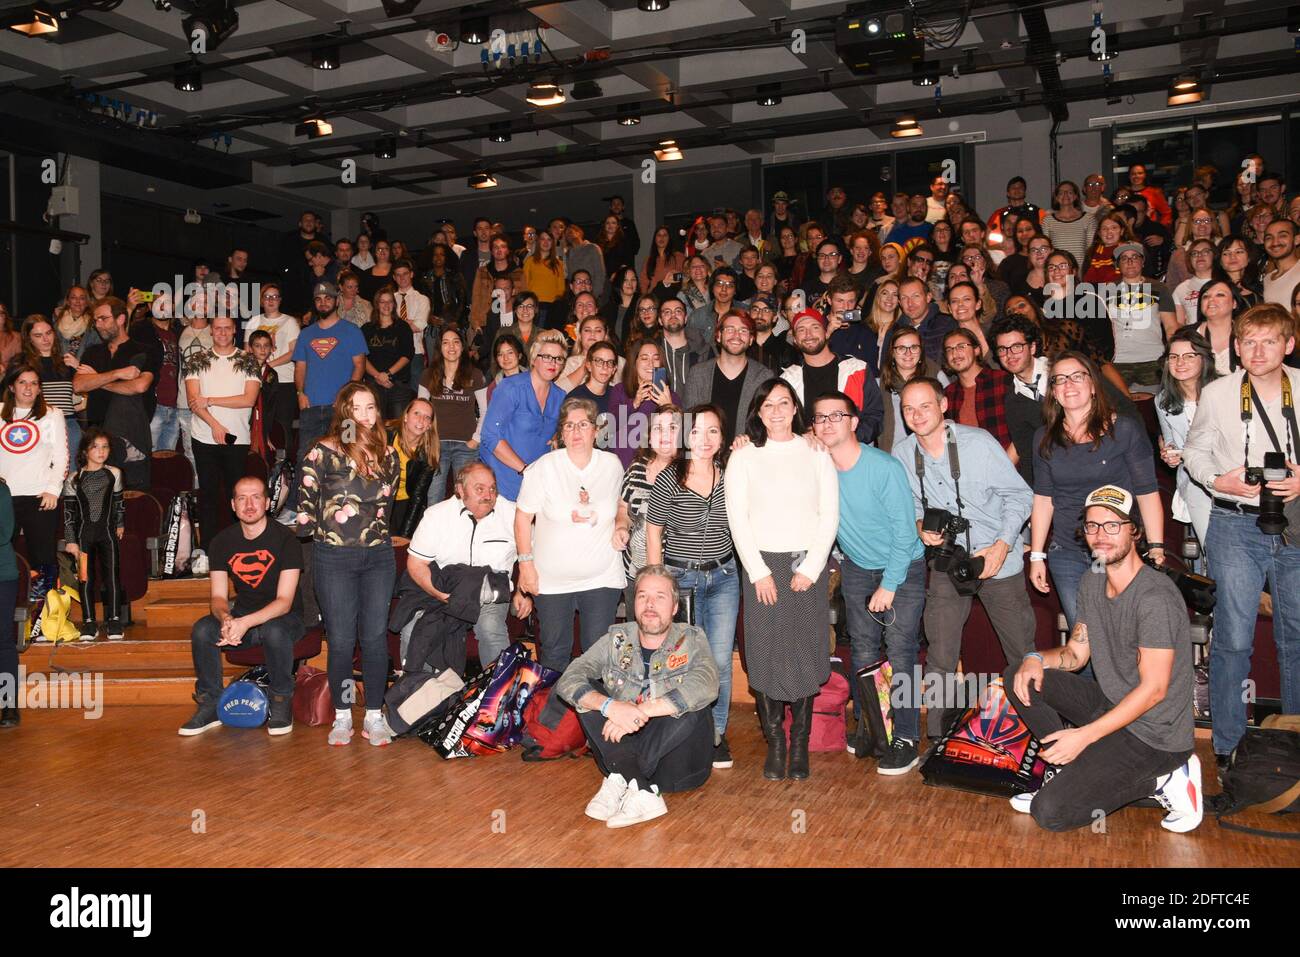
{"x":264,"y":560}
{"x":1132,"y":736}
{"x":643,"y":693}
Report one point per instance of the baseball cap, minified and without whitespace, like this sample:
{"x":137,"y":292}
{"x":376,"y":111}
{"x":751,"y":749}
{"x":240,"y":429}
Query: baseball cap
{"x":325,"y":288}
{"x":1118,"y":500}
{"x":808,"y":314}
{"x":1123,"y":248}
{"x":780,"y":196}
{"x":765,"y":300}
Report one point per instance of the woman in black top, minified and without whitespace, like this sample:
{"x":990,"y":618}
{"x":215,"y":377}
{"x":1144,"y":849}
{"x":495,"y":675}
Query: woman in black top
{"x":445,"y":284}
{"x":392,"y":347}
{"x":620,"y":309}
{"x":414,"y":437}
{"x":44,"y":353}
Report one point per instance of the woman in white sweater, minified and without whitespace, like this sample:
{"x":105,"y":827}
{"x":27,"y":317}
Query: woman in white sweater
{"x":783,"y":508}
{"x":33,"y":461}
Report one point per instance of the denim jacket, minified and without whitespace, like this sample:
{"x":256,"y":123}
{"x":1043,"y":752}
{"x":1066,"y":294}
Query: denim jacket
{"x":681,"y":669}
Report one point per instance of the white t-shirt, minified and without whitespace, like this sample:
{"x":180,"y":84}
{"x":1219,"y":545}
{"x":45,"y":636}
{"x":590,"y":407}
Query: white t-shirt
{"x":220,"y":376}
{"x":1135,"y":320}
{"x":573,"y":556}
{"x":1187,"y":294}
{"x":448,"y":535}
{"x":283,"y":331}
{"x":1281,"y":289}
{"x":191,"y":341}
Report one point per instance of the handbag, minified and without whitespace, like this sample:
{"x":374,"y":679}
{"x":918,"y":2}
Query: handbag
{"x":312,"y":704}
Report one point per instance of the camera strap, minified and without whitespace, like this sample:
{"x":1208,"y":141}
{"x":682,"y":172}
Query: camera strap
{"x":954,"y":468}
{"x":1250,"y":401}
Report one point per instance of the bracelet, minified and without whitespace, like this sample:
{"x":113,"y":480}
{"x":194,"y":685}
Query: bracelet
{"x":1159,"y":545}
{"x":1038,"y":556}
{"x":1033,"y":654}
{"x":526,"y":557}
{"x":604,"y":708}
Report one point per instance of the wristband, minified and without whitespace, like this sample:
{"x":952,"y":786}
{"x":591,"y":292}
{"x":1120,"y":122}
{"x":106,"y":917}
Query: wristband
{"x":1159,"y":545}
{"x":1038,"y":556}
{"x":604,"y":708}
{"x":526,"y":557}
{"x":1033,"y":654}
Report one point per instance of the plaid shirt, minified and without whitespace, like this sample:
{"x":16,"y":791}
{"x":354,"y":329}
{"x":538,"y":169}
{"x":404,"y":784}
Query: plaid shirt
{"x":991,"y":387}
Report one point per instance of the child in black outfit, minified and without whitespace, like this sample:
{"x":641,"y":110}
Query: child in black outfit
{"x":94,"y":518}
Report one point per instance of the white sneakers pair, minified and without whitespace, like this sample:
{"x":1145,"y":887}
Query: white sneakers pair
{"x":1179,"y":793}
{"x":621,"y":803}
{"x":375,"y":730}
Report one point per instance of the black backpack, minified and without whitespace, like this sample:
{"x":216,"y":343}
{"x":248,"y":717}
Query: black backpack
{"x":1263,"y":775}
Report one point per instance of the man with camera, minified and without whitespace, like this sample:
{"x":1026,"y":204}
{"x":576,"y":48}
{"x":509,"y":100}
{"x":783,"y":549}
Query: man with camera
{"x":1242,"y":446}
{"x":970,"y":506}
{"x":849,"y":336}
{"x":1132,"y":732}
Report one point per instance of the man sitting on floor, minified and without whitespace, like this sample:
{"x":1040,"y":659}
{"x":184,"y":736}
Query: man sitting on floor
{"x":1132,"y":736}
{"x":650,"y":726}
{"x":265,"y":561}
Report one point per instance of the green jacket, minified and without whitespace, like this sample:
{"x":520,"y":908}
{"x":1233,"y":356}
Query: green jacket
{"x":681,"y":669}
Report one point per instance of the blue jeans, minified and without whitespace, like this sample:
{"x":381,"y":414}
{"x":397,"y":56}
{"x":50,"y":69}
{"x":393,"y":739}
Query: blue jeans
{"x":1242,"y":558}
{"x":1068,"y":564}
{"x":454,"y":455}
{"x":313,"y":422}
{"x":276,"y":638}
{"x":73,"y":429}
{"x":354,"y":586}
{"x":902,"y":634}
{"x":165,"y":428}
{"x":717,"y":605}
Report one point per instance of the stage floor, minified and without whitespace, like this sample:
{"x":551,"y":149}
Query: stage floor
{"x":126,"y":790}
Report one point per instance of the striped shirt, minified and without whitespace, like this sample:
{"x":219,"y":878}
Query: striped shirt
{"x":636,"y":492}
{"x":56,"y":386}
{"x":695,"y":527}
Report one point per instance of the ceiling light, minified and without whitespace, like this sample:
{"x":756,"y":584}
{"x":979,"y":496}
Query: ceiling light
{"x":544,"y":93}
{"x":669,"y":152}
{"x":36,"y":22}
{"x":386,"y":147}
{"x":925,"y":74}
{"x":482,"y":181}
{"x":652,"y":6}
{"x":499,"y":133}
{"x":211,"y":25}
{"x":188,"y":79}
{"x":1185,"y":89}
{"x":313,"y":128}
{"x":628,"y":115}
{"x":399,"y":8}
{"x":586,"y":90}
{"x":906,"y":126}
{"x":769,"y":94}
{"x":474,"y":30}
{"x":873,"y":26}
{"x":326,"y":56}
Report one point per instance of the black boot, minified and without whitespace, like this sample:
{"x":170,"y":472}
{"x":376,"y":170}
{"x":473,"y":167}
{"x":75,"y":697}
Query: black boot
{"x":771,"y":715}
{"x":800,"y":728}
{"x":8,"y":717}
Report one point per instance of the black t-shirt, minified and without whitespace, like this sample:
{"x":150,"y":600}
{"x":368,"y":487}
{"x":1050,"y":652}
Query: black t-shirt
{"x":726,"y":396}
{"x":254,"y":565}
{"x":816,"y":381}
{"x":388,"y":345}
{"x":776,"y":353}
{"x":582,"y":392}
{"x":132,"y":352}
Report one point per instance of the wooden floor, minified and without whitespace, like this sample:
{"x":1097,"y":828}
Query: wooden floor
{"x":125,"y":790}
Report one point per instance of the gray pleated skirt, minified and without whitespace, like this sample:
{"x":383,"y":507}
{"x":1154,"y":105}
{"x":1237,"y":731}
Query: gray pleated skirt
{"x":786,"y":644}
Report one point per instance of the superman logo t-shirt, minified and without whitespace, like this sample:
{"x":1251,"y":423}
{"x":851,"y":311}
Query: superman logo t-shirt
{"x":255,"y":564}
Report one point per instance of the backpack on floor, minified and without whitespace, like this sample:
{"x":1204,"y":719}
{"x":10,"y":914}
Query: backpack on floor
{"x":1263,"y":775}
{"x":177,"y":536}
{"x":988,"y":750}
{"x":415,"y":699}
{"x":565,"y":737}
{"x":50,"y":620}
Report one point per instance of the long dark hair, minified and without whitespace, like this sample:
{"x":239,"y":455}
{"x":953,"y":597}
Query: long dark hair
{"x":891,"y":377}
{"x":1171,"y":393}
{"x":435,"y":374}
{"x":39,"y":408}
{"x":755,"y":428}
{"x":646,"y":453}
{"x":32,"y":356}
{"x":1101,"y":420}
{"x":88,"y":438}
{"x":683,"y":463}
{"x":653,"y":260}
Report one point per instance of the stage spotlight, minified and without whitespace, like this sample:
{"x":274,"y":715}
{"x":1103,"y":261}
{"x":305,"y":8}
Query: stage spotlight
{"x":36,"y":21}
{"x":386,"y":147}
{"x":313,"y":128}
{"x":544,"y":93}
{"x":482,"y":181}
{"x":499,"y":133}
{"x":1185,"y":89}
{"x":652,"y":6}
{"x":474,"y":30}
{"x":628,"y":115}
{"x":769,"y":94}
{"x":326,"y":56}
{"x":188,"y":79}
{"x":399,"y":8}
{"x":669,"y":152}
{"x":906,"y":126}
{"x":210,"y":25}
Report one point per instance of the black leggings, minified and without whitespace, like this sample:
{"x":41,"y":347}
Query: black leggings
{"x":219,"y":467}
{"x":40,"y":529}
{"x":102,"y":576}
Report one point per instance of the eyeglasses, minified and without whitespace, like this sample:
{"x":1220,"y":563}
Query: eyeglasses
{"x":1058,"y":267}
{"x":548,"y":357}
{"x":582,"y":426}
{"x":520,"y":307}
{"x":725,"y":283}
{"x":1111,"y":528}
{"x":1014,"y":349}
{"x":605,"y":363}
{"x":644,"y":309}
{"x":836,"y":417}
{"x":1037,"y":250}
{"x":1177,"y":358}
{"x":1202,"y":221}
{"x":1075,"y":377}
{"x":959,"y":347}
{"x":828,"y":255}
{"x":735,"y":330}
{"x":270,"y":295}
{"x":923,"y":259}
{"x":1201,"y":253}
{"x":908,"y":349}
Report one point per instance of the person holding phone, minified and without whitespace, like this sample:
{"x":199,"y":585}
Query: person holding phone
{"x":632,"y":401}
{"x":221,"y":385}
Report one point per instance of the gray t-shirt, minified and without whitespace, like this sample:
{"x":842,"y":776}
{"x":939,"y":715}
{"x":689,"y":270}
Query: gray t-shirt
{"x":1149,"y":613}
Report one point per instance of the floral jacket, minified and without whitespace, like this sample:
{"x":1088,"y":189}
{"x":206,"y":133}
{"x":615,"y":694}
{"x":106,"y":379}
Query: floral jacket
{"x":340,"y":506}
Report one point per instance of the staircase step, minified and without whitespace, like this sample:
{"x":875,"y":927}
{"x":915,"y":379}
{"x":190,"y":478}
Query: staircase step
{"x":175,"y":612}
{"x":135,"y":691}
{"x":163,"y":588}
{"x":162,"y":658}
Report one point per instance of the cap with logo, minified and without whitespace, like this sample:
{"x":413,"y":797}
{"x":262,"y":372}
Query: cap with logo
{"x":808,"y":314}
{"x":325,"y":288}
{"x":763,"y":300}
{"x":1116,"y":499}
{"x":780,"y":196}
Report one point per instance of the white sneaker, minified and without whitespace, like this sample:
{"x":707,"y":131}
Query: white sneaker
{"x":1022,"y":802}
{"x":376,"y":730}
{"x":638,"y":806}
{"x":1179,"y":792}
{"x":607,"y":800}
{"x":341,"y":732}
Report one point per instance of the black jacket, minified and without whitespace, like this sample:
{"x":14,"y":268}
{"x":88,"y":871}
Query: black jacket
{"x":440,"y":635}
{"x":419,"y":479}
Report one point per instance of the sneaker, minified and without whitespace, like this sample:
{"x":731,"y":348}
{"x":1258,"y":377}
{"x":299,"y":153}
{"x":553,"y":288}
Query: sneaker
{"x":1022,"y":802}
{"x":607,"y":800}
{"x":376,"y":730}
{"x":89,"y":629}
{"x":280,"y":720}
{"x":722,"y":754}
{"x":114,"y":629}
{"x":1179,"y":792}
{"x":203,"y":719}
{"x":638,"y":806}
{"x":1221,"y":764}
{"x":902,"y":757}
{"x":341,"y":732}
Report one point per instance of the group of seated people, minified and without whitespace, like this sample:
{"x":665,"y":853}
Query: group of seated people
{"x":725,"y":439}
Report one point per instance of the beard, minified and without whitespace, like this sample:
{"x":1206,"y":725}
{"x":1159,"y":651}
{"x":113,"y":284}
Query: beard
{"x":810,"y":349}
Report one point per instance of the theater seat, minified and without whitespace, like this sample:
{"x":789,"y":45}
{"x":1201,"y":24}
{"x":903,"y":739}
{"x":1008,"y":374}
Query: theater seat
{"x":304,"y":649}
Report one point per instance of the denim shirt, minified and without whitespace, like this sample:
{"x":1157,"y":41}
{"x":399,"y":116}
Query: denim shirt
{"x":681,"y":669}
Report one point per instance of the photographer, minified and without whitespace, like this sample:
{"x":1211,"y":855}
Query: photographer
{"x":1242,"y":448}
{"x":974,"y":547}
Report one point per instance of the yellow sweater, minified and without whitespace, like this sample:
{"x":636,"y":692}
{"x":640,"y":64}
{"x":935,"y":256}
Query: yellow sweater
{"x":546,"y":285}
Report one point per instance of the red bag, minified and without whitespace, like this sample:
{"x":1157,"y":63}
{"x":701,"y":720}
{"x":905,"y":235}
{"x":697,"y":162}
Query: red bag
{"x":828,"y":733}
{"x":566,"y":738}
{"x":312,"y":704}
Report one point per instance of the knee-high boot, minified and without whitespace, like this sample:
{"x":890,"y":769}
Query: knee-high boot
{"x":771,"y":715}
{"x":800,"y":728}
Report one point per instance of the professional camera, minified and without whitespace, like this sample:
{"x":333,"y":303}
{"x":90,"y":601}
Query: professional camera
{"x":1272,"y":520}
{"x":950,"y":557}
{"x":1198,"y":591}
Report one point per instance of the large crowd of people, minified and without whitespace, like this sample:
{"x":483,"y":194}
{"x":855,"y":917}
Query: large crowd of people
{"x":893,"y":397}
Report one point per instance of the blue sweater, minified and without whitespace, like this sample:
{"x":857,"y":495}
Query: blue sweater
{"x":514,"y":415}
{"x":877,"y":525}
